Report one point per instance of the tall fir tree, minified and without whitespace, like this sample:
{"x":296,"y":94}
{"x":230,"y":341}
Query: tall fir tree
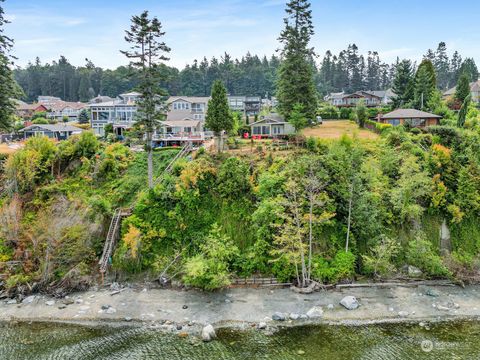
{"x":442,"y":66}
{"x":147,"y":51}
{"x":470,"y":68}
{"x":219,"y":117}
{"x":295,"y":78}
{"x":425,"y":85}
{"x":463,"y":88}
{"x":403,"y":84}
{"x":8,"y":87}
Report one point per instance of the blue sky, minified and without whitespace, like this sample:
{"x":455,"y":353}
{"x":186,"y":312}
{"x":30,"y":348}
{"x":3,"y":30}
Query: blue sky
{"x":94,"y":29}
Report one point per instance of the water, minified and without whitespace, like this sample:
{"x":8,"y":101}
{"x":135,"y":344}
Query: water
{"x":49,"y":341}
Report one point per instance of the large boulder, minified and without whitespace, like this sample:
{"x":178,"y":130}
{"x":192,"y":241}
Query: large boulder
{"x":208,"y":333}
{"x":315,"y":312}
{"x":414,"y":272}
{"x":350,"y":302}
{"x":278,"y":316}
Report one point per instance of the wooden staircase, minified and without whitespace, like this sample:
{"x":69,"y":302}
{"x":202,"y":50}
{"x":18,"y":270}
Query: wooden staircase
{"x":119,"y":214}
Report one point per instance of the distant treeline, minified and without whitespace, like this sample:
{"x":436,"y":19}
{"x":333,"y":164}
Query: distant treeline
{"x":251,"y":75}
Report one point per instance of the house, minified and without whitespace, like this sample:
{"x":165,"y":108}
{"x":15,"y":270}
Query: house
{"x":248,"y":105}
{"x":26,"y":111}
{"x":187,"y":108}
{"x":272,"y":125}
{"x":100,"y":99}
{"x":413,"y":117}
{"x":474,"y":88}
{"x":119,"y":112}
{"x":179,"y":132}
{"x":58,"y":131}
{"x":370,"y":98}
{"x":61,"y":110}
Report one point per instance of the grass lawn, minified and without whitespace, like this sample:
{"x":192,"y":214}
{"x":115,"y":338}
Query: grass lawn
{"x":334,"y":129}
{"x":7,"y":150}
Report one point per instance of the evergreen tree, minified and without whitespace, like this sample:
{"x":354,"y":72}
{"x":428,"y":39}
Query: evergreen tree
{"x":146,"y":52}
{"x":403,"y":83}
{"x":219,"y":117}
{"x":462,"y":115}
{"x":83,"y":117}
{"x":8,"y":87}
{"x":463,"y":88}
{"x":295,"y":79}
{"x":425,"y":84}
{"x":470,"y":68}
{"x":455,"y":65}
{"x":442,"y":66}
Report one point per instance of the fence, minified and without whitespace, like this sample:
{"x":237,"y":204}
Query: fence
{"x":257,"y":281}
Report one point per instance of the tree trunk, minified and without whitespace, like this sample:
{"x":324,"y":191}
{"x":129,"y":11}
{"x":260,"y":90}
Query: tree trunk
{"x":310,"y":221}
{"x":349,"y":221}
{"x":150,"y":160}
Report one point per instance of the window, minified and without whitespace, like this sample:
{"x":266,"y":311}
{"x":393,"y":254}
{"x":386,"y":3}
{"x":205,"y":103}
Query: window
{"x":394,"y":122}
{"x":418,"y":122}
{"x":187,"y":129}
{"x":266,"y":130}
{"x":257,"y":130}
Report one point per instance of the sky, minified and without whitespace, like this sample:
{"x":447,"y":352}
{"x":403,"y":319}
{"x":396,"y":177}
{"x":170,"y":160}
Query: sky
{"x":194,"y":29}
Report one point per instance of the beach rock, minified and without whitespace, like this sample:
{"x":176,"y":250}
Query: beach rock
{"x":403,"y":314}
{"x":315,"y":312}
{"x":350,"y":302}
{"x":105,"y":307}
{"x":262,"y":325}
{"x":50,"y":302}
{"x":79,"y":301}
{"x":183,"y":335}
{"x":278,"y":316}
{"x":115,"y":286}
{"x":208,"y":333}
{"x":294,"y":316}
{"x":62,"y":306}
{"x":28,"y":300}
{"x":442,"y":308}
{"x":185,"y":307}
{"x":179,"y":327}
{"x":432,"y":293}
{"x":330,"y":307}
{"x":128,"y":319}
{"x":414,"y":271}
{"x":111,"y":311}
{"x":12,"y":302}
{"x":304,"y":317}
{"x":68,"y":301}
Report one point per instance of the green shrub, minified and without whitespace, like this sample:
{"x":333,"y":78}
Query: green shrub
{"x":329,"y":112}
{"x":341,"y":267}
{"x":420,"y":254}
{"x":381,"y":262}
{"x":210,"y":269}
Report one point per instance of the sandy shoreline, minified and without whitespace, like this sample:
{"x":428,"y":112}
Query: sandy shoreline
{"x":179,"y":310}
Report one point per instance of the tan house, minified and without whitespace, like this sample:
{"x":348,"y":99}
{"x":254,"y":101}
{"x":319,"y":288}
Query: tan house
{"x":474,"y":89}
{"x":413,"y":117}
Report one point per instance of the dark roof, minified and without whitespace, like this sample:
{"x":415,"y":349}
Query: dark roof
{"x":409,"y":114}
{"x":270,"y":118}
{"x":54,"y":127}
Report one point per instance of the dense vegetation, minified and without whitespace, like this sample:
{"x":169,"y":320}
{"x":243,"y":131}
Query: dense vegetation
{"x":56,"y":202}
{"x":250,"y":214}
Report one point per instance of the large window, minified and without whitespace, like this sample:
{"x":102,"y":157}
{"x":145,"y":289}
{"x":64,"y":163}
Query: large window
{"x":418,"y":122}
{"x":394,"y":122}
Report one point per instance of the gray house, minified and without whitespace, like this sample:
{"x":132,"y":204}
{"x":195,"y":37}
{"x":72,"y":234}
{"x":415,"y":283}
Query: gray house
{"x":272,"y":125}
{"x":58,"y":131}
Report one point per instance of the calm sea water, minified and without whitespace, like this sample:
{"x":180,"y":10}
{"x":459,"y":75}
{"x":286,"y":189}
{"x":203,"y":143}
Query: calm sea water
{"x":47,"y":341}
